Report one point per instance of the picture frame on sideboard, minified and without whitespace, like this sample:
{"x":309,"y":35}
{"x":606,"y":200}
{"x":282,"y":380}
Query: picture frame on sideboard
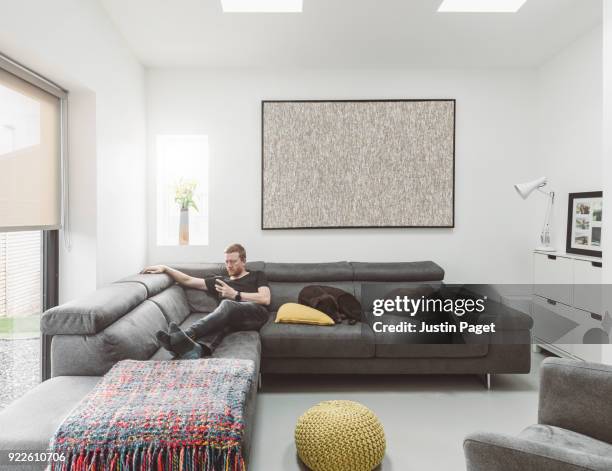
{"x":584,"y":223}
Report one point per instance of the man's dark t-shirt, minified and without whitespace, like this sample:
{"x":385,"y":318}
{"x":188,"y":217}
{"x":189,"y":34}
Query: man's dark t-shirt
{"x":249,"y":283}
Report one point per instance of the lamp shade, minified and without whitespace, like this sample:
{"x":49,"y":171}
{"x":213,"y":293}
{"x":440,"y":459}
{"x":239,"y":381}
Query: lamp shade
{"x":525,"y":189}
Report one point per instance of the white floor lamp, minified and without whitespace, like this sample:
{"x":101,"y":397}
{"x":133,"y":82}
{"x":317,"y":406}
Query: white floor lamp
{"x":525,"y":189}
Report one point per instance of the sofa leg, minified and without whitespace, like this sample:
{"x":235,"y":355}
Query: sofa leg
{"x":486,"y":379}
{"x":259,"y":382}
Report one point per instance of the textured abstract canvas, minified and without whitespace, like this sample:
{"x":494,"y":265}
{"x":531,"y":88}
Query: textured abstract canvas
{"x":386,"y":163}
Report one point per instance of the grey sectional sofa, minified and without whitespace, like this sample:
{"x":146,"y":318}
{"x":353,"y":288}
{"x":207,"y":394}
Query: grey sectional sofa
{"x":118,"y":321}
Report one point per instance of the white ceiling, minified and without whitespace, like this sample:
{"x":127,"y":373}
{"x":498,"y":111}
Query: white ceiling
{"x":349,"y":33}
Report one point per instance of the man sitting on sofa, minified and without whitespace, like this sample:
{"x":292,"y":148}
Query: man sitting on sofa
{"x":243,"y":297}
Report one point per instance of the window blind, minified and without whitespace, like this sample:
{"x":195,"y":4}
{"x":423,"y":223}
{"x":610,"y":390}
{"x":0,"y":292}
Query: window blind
{"x":20,"y":273}
{"x":30,"y":156}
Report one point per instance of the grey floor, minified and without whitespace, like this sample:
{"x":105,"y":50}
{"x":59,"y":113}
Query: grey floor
{"x":425,"y":417}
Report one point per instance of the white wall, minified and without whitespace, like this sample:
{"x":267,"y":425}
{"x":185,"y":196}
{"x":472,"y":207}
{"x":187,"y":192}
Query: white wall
{"x":572,"y":108}
{"x":569,"y":97}
{"x":607,"y":139}
{"x":607,"y":166}
{"x":74,"y":43}
{"x":78,"y":246}
{"x":495,"y":143}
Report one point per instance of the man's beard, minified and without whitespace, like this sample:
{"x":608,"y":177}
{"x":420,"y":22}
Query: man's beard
{"x":235,"y":271}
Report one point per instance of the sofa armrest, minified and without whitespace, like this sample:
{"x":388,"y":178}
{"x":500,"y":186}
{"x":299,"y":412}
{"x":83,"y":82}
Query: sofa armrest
{"x":575,"y":395}
{"x":497,"y":452}
{"x":504,"y":317}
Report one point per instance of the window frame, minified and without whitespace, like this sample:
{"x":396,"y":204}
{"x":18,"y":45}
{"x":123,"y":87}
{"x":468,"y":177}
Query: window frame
{"x":50,"y":293}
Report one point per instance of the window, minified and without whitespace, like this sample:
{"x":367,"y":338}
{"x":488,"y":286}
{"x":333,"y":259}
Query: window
{"x":32,"y":114}
{"x":182,"y":190}
{"x":20,"y":308}
{"x":20,"y":274}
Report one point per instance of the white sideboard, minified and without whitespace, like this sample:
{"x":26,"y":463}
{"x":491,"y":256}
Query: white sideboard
{"x":567,"y":303}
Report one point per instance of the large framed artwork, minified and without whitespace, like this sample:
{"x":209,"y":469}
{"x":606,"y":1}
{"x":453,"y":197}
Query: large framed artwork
{"x":359,"y":163}
{"x":584,"y":222}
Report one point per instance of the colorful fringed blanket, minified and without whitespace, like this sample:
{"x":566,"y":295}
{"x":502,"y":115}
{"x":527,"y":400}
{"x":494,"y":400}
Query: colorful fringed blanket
{"x":159,"y":416}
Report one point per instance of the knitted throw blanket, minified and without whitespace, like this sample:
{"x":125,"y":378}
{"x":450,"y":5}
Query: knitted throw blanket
{"x":159,"y":416}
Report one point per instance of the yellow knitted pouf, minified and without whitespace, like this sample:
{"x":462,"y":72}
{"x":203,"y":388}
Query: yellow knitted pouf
{"x":340,"y":436}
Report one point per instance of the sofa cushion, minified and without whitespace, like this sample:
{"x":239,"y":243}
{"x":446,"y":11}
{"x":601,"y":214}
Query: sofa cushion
{"x":422,"y":344}
{"x":202,"y":270}
{"x":243,"y":345}
{"x":213,"y":339}
{"x":173,"y":304}
{"x":200,"y":301}
{"x":154,"y":283}
{"x":309,"y":272}
{"x":30,"y":421}
{"x":416,"y":291}
{"x":294,"y":313}
{"x":567,"y":440}
{"x":431,"y":350}
{"x":288,"y":292}
{"x":398,"y":271}
{"x":387,"y":320}
{"x":205,"y":270}
{"x":92,"y":313}
{"x":131,"y":337}
{"x":315,"y":341}
{"x":367,"y":291}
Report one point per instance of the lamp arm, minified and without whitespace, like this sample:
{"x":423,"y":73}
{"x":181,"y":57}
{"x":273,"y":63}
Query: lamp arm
{"x":545,"y":235}
{"x":547,"y":193}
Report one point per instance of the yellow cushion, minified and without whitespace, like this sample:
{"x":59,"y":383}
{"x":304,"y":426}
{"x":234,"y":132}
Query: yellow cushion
{"x":293,"y":313}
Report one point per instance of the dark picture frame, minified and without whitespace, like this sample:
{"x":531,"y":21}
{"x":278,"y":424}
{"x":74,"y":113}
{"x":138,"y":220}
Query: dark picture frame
{"x":584,"y":222}
{"x":451,"y":203}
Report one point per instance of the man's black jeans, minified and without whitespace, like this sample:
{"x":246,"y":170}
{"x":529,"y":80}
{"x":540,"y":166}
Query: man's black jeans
{"x":228,"y":316}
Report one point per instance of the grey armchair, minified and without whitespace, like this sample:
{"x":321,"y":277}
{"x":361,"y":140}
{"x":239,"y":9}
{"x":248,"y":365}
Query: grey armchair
{"x":574,"y":429}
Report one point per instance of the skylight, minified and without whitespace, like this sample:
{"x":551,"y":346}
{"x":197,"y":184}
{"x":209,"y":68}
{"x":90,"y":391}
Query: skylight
{"x":262,"y":6}
{"x":481,"y":6}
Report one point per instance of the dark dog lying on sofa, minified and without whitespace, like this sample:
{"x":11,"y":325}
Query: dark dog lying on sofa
{"x":336,"y":303}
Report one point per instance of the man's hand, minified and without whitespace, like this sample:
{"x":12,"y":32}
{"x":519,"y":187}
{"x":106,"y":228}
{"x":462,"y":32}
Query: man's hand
{"x":225,"y":290}
{"x":154,"y":269}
